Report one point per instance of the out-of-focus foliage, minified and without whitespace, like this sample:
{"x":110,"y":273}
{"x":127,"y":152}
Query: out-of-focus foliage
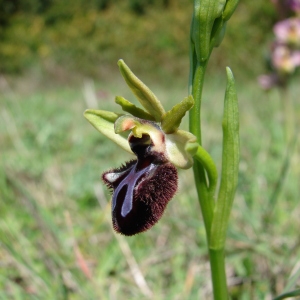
{"x":89,"y":36}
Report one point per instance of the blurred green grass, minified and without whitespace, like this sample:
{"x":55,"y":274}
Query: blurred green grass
{"x":55,"y":232}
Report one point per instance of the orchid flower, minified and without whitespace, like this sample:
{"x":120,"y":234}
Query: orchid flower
{"x":268,"y":81}
{"x":143,"y":187}
{"x":288,"y":31}
{"x":294,"y":5}
{"x":285,"y":60}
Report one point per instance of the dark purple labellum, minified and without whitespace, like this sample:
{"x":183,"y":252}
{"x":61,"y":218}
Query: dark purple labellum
{"x":141,"y":191}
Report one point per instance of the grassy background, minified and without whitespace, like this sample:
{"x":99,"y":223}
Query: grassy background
{"x":55,"y":229}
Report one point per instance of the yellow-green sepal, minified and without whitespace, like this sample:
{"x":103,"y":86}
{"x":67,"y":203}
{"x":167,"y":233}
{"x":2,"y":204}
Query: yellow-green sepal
{"x":104,"y":121}
{"x":145,"y":96}
{"x":132,"y":109}
{"x":172,"y":118}
{"x":179,"y":147}
{"x":229,"y":9}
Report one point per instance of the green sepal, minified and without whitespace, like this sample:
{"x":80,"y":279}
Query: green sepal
{"x":132,"y":109}
{"x":172,"y":119}
{"x":104,"y":121}
{"x":229,"y":9}
{"x":230,"y":165}
{"x":146,"y":97}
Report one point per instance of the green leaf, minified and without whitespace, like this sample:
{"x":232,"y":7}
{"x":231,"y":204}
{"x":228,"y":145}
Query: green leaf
{"x":172,"y":119}
{"x":104,"y":121}
{"x":288,"y":295}
{"x":132,"y":109}
{"x":142,"y":92}
{"x":230,"y":164}
{"x":291,"y":282}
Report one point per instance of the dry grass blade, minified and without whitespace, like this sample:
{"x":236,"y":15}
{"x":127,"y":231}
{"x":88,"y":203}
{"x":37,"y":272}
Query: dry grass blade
{"x":13,"y":132}
{"x":131,"y":261}
{"x":82,"y":264}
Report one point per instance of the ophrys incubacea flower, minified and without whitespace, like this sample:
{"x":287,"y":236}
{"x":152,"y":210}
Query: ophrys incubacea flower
{"x":143,"y":186}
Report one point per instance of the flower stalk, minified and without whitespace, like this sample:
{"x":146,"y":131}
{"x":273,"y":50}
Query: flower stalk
{"x":207,"y":31}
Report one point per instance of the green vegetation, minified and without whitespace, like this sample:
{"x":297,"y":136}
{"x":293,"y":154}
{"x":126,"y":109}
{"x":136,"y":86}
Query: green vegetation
{"x":56,"y":239}
{"x":55,"y":230}
{"x":87,"y":38}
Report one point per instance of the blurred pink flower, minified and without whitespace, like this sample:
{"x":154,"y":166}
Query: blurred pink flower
{"x":288,"y":31}
{"x":285,"y":60}
{"x":268,"y":81}
{"x":294,"y":5}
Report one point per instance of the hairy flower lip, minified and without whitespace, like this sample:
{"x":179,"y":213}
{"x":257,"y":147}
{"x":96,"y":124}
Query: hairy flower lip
{"x":141,"y":191}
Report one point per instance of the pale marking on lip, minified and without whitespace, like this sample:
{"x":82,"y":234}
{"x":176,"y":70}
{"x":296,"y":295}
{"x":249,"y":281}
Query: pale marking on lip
{"x":158,"y":141}
{"x":112,"y":177}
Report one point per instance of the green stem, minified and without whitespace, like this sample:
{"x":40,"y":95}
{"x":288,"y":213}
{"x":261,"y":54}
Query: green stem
{"x":204,"y":201}
{"x":217,"y":263}
{"x":197,"y":78}
{"x":287,"y":114}
{"x":197,"y":87}
{"x":211,"y":170}
{"x":205,"y":196}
